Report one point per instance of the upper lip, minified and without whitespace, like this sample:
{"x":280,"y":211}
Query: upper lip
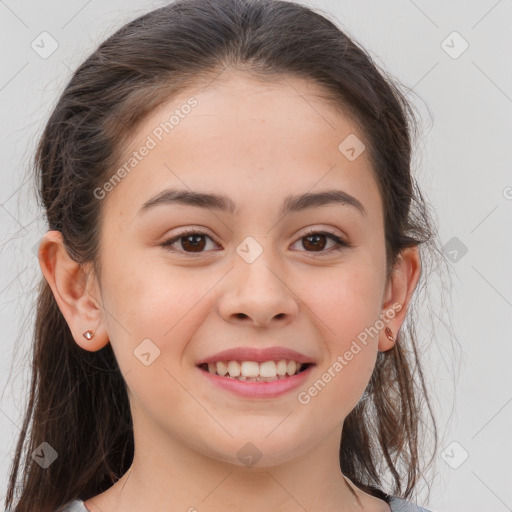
{"x":258,"y":355}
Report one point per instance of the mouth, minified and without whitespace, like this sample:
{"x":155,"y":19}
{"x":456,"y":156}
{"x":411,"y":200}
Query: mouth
{"x":254,"y":371}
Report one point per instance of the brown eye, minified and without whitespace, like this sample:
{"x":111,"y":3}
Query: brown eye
{"x":195,"y":243}
{"x":191,"y":242}
{"x":316,"y":241}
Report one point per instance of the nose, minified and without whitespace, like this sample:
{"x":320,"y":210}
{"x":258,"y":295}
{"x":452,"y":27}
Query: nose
{"x":258,"y":294}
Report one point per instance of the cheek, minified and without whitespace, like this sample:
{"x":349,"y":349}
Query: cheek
{"x":154,"y":302}
{"x":165,"y":307}
{"x":346,"y":303}
{"x":344,"y":299}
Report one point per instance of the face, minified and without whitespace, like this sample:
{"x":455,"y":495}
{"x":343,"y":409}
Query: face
{"x":183,"y":280}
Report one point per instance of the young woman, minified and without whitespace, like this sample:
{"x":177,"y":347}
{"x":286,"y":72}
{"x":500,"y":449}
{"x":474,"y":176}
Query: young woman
{"x":233,"y":247}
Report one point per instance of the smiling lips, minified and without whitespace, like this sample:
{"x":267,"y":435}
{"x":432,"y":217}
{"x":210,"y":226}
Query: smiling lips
{"x":256,"y":365}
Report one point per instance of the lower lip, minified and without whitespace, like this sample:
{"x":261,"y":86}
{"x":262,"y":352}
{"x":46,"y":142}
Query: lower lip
{"x":259,"y":389}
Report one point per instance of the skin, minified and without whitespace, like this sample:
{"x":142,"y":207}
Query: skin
{"x":316,"y":301}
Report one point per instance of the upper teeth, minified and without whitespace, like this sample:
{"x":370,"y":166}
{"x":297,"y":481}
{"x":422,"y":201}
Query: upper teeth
{"x":255,"y":369}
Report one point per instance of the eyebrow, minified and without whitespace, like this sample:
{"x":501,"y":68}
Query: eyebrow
{"x":292,"y":203}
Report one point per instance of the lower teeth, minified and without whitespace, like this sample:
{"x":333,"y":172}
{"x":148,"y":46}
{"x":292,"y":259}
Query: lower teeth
{"x":259,"y":379}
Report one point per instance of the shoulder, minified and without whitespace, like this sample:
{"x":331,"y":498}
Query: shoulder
{"x":401,"y":505}
{"x":75,"y":506}
{"x":396,"y":504}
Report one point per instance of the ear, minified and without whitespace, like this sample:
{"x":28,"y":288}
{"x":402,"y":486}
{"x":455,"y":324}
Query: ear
{"x":398,"y":293}
{"x":76,"y":292}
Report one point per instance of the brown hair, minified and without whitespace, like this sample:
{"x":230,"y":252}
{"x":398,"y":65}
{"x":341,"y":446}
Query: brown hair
{"x":78,"y":401}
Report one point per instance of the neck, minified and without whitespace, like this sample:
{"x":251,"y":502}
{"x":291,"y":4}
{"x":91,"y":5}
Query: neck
{"x":167,"y":475}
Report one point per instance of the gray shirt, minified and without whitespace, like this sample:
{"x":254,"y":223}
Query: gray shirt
{"x":396,"y":504}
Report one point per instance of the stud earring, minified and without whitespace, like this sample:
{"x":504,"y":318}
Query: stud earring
{"x":389,"y":334}
{"x":88,"y":335}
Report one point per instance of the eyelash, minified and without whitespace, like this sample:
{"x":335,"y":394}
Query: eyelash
{"x":341,"y":244}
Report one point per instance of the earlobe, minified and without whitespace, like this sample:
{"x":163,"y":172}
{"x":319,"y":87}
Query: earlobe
{"x":398,"y":294}
{"x":76,"y":300}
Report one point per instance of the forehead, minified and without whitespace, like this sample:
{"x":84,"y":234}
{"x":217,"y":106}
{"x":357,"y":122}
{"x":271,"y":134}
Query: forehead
{"x":279,"y":137}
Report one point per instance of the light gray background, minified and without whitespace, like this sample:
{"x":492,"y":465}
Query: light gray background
{"x":463,"y":163}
